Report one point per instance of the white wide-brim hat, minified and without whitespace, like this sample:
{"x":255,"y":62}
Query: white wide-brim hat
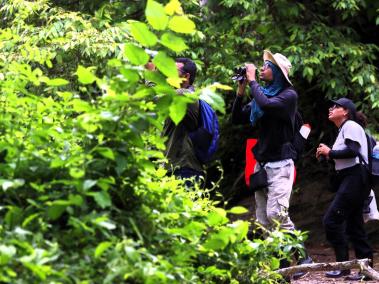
{"x":279,"y":60}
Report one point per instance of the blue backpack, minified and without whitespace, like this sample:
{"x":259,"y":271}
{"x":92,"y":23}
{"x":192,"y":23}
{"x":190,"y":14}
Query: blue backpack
{"x":205,"y":137}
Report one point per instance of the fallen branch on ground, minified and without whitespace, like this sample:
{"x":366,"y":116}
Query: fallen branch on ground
{"x":362,"y":264}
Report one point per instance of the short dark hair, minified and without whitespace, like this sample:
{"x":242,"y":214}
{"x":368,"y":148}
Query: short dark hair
{"x":188,"y":67}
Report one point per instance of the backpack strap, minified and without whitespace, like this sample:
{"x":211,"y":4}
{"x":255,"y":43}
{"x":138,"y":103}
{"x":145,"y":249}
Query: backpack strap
{"x":369,"y":155}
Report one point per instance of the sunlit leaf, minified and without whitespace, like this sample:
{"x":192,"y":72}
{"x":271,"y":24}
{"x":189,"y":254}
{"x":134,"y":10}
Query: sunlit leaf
{"x":141,"y":33}
{"x":221,"y":87}
{"x":85,"y":76}
{"x":101,"y":248}
{"x":156,"y":15}
{"x":81,"y":106}
{"x":106,"y":152}
{"x":76,"y":172}
{"x":131,"y":75}
{"x":175,"y":82}
{"x":217,"y":217}
{"x":6,"y":253}
{"x":174,"y":6}
{"x":173,"y":42}
{"x":238,"y":210}
{"x":166,"y":65}
{"x":178,"y":108}
{"x":15,"y":183}
{"x":135,"y":54}
{"x":106,"y":224}
{"x":89,"y":183}
{"x":216,"y":241}
{"x":57,"y":82}
{"x":212,"y":98}
{"x":182,"y":24}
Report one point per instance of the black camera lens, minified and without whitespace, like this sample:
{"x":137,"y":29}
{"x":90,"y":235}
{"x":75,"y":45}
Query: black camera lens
{"x":239,"y":73}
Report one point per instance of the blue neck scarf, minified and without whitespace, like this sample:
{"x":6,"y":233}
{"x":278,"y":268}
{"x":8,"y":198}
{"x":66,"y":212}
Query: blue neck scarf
{"x":278,"y":83}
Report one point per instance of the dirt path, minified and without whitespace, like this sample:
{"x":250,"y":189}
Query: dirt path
{"x":323,"y":253}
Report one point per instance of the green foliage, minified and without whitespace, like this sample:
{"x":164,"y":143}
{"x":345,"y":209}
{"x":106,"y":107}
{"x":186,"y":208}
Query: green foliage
{"x":83,"y":196}
{"x":331,"y":45}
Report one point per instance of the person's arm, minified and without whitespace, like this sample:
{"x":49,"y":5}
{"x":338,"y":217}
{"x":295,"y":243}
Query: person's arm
{"x":351,"y":151}
{"x":240,"y":113}
{"x":278,"y":105}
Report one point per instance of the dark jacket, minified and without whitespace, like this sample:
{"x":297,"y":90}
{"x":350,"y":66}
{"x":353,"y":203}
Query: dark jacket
{"x":276,"y":126}
{"x":179,"y":148}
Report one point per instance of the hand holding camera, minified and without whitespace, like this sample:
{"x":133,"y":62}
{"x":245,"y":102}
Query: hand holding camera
{"x":322,"y":152}
{"x":251,"y":70}
{"x":243,"y":73}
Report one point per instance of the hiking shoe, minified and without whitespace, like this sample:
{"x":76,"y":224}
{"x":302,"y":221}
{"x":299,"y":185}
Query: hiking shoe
{"x":337,"y":273}
{"x":301,"y":274}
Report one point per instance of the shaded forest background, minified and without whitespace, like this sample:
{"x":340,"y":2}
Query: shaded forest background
{"x":332,"y":44}
{"x":83,"y":197}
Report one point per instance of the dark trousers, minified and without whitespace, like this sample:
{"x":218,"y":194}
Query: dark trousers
{"x":343,"y":220}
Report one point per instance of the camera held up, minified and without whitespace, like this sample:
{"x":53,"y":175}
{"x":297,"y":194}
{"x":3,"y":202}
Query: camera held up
{"x":239,"y":74}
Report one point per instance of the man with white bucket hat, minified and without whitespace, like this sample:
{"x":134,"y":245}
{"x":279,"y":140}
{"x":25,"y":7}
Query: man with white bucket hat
{"x":273,"y":109}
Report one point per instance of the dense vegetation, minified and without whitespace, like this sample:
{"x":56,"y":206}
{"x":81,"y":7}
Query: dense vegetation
{"x":84,"y":198}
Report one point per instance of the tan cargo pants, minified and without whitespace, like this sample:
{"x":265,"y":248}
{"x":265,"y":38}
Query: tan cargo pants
{"x":272,"y":203}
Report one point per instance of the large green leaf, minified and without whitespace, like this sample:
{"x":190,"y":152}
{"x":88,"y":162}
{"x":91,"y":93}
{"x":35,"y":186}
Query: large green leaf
{"x":217,"y":217}
{"x":131,"y":75}
{"x":166,"y":65}
{"x":178,"y":108}
{"x":156,"y":15}
{"x":6,"y":253}
{"x":76,"y":172}
{"x":212,"y":98}
{"x":155,"y":77}
{"x":6,"y":184}
{"x":102,"y":198}
{"x":182,"y":24}
{"x":57,"y":82}
{"x":238,"y":210}
{"x":173,"y":42}
{"x":216,"y":241}
{"x":135,"y":54}
{"x":101,"y":248}
{"x":105,"y":152}
{"x":141,"y":33}
{"x":55,"y":211}
{"x":85,"y":76}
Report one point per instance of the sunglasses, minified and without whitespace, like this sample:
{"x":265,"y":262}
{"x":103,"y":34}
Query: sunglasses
{"x":335,"y":106}
{"x":265,"y":66}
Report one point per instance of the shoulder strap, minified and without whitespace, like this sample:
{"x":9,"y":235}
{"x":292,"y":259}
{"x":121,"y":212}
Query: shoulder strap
{"x":369,"y":152}
{"x":369,"y":155}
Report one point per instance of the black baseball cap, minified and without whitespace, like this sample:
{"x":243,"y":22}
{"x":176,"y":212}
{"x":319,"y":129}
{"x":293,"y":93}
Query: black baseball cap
{"x":346,"y":104}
